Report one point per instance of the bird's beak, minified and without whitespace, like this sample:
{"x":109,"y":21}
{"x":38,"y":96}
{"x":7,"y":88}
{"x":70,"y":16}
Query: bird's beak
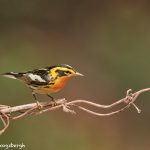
{"x":79,"y":74}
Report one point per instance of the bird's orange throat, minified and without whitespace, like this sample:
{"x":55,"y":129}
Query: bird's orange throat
{"x":60,"y":83}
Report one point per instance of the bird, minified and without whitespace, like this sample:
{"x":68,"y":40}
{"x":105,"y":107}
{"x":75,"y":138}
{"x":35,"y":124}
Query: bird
{"x":45,"y":80}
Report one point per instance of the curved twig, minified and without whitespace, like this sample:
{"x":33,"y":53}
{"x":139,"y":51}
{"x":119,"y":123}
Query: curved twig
{"x":7,"y":112}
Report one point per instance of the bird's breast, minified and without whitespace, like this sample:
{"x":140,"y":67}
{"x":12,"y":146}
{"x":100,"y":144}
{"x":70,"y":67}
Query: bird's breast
{"x":51,"y":88}
{"x":59,"y":83}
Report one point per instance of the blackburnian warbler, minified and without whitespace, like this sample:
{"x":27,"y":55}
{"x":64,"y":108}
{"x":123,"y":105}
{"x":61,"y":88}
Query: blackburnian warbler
{"x":45,"y":80}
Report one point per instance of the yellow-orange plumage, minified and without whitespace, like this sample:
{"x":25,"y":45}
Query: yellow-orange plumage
{"x":60,"y":83}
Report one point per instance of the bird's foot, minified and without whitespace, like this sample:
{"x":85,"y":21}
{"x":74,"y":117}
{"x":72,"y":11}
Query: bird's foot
{"x":52,"y":103}
{"x":39,"y":106}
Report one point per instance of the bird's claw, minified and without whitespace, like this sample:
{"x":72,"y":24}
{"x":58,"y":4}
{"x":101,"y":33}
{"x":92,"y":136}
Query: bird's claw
{"x":39,"y":106}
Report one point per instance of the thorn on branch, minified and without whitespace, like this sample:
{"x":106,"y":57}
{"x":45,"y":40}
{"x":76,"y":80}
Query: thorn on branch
{"x":66,"y":108}
{"x":129,"y":96}
{"x":138,"y":110}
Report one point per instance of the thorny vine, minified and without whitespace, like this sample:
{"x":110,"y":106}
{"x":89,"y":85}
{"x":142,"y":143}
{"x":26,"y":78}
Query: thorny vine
{"x":8,"y":113}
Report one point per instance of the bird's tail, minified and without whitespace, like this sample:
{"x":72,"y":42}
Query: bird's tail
{"x":13,"y":75}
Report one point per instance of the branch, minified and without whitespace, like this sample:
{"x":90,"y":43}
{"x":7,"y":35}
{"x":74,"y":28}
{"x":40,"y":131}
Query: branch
{"x":8,"y":113}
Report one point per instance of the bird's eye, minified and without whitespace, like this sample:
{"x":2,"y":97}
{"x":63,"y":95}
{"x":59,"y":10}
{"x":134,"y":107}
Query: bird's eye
{"x":68,"y":72}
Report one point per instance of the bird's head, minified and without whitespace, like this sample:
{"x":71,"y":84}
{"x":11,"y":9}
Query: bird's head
{"x":63,"y":71}
{"x":60,"y":74}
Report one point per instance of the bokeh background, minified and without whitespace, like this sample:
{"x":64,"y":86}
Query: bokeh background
{"x":107,"y":41}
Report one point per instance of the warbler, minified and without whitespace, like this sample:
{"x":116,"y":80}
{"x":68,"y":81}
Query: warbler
{"x":45,"y":80}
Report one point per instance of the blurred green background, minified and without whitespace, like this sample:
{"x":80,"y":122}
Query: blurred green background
{"x":107,"y":41}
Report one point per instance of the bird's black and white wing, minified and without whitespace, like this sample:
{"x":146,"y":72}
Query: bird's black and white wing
{"x":38,"y":77}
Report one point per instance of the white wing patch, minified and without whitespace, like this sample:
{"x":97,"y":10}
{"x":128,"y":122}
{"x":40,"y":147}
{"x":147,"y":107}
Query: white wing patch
{"x":35,"y":77}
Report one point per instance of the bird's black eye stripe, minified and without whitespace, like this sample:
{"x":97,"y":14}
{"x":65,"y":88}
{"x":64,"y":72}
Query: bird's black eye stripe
{"x":61,"y":73}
